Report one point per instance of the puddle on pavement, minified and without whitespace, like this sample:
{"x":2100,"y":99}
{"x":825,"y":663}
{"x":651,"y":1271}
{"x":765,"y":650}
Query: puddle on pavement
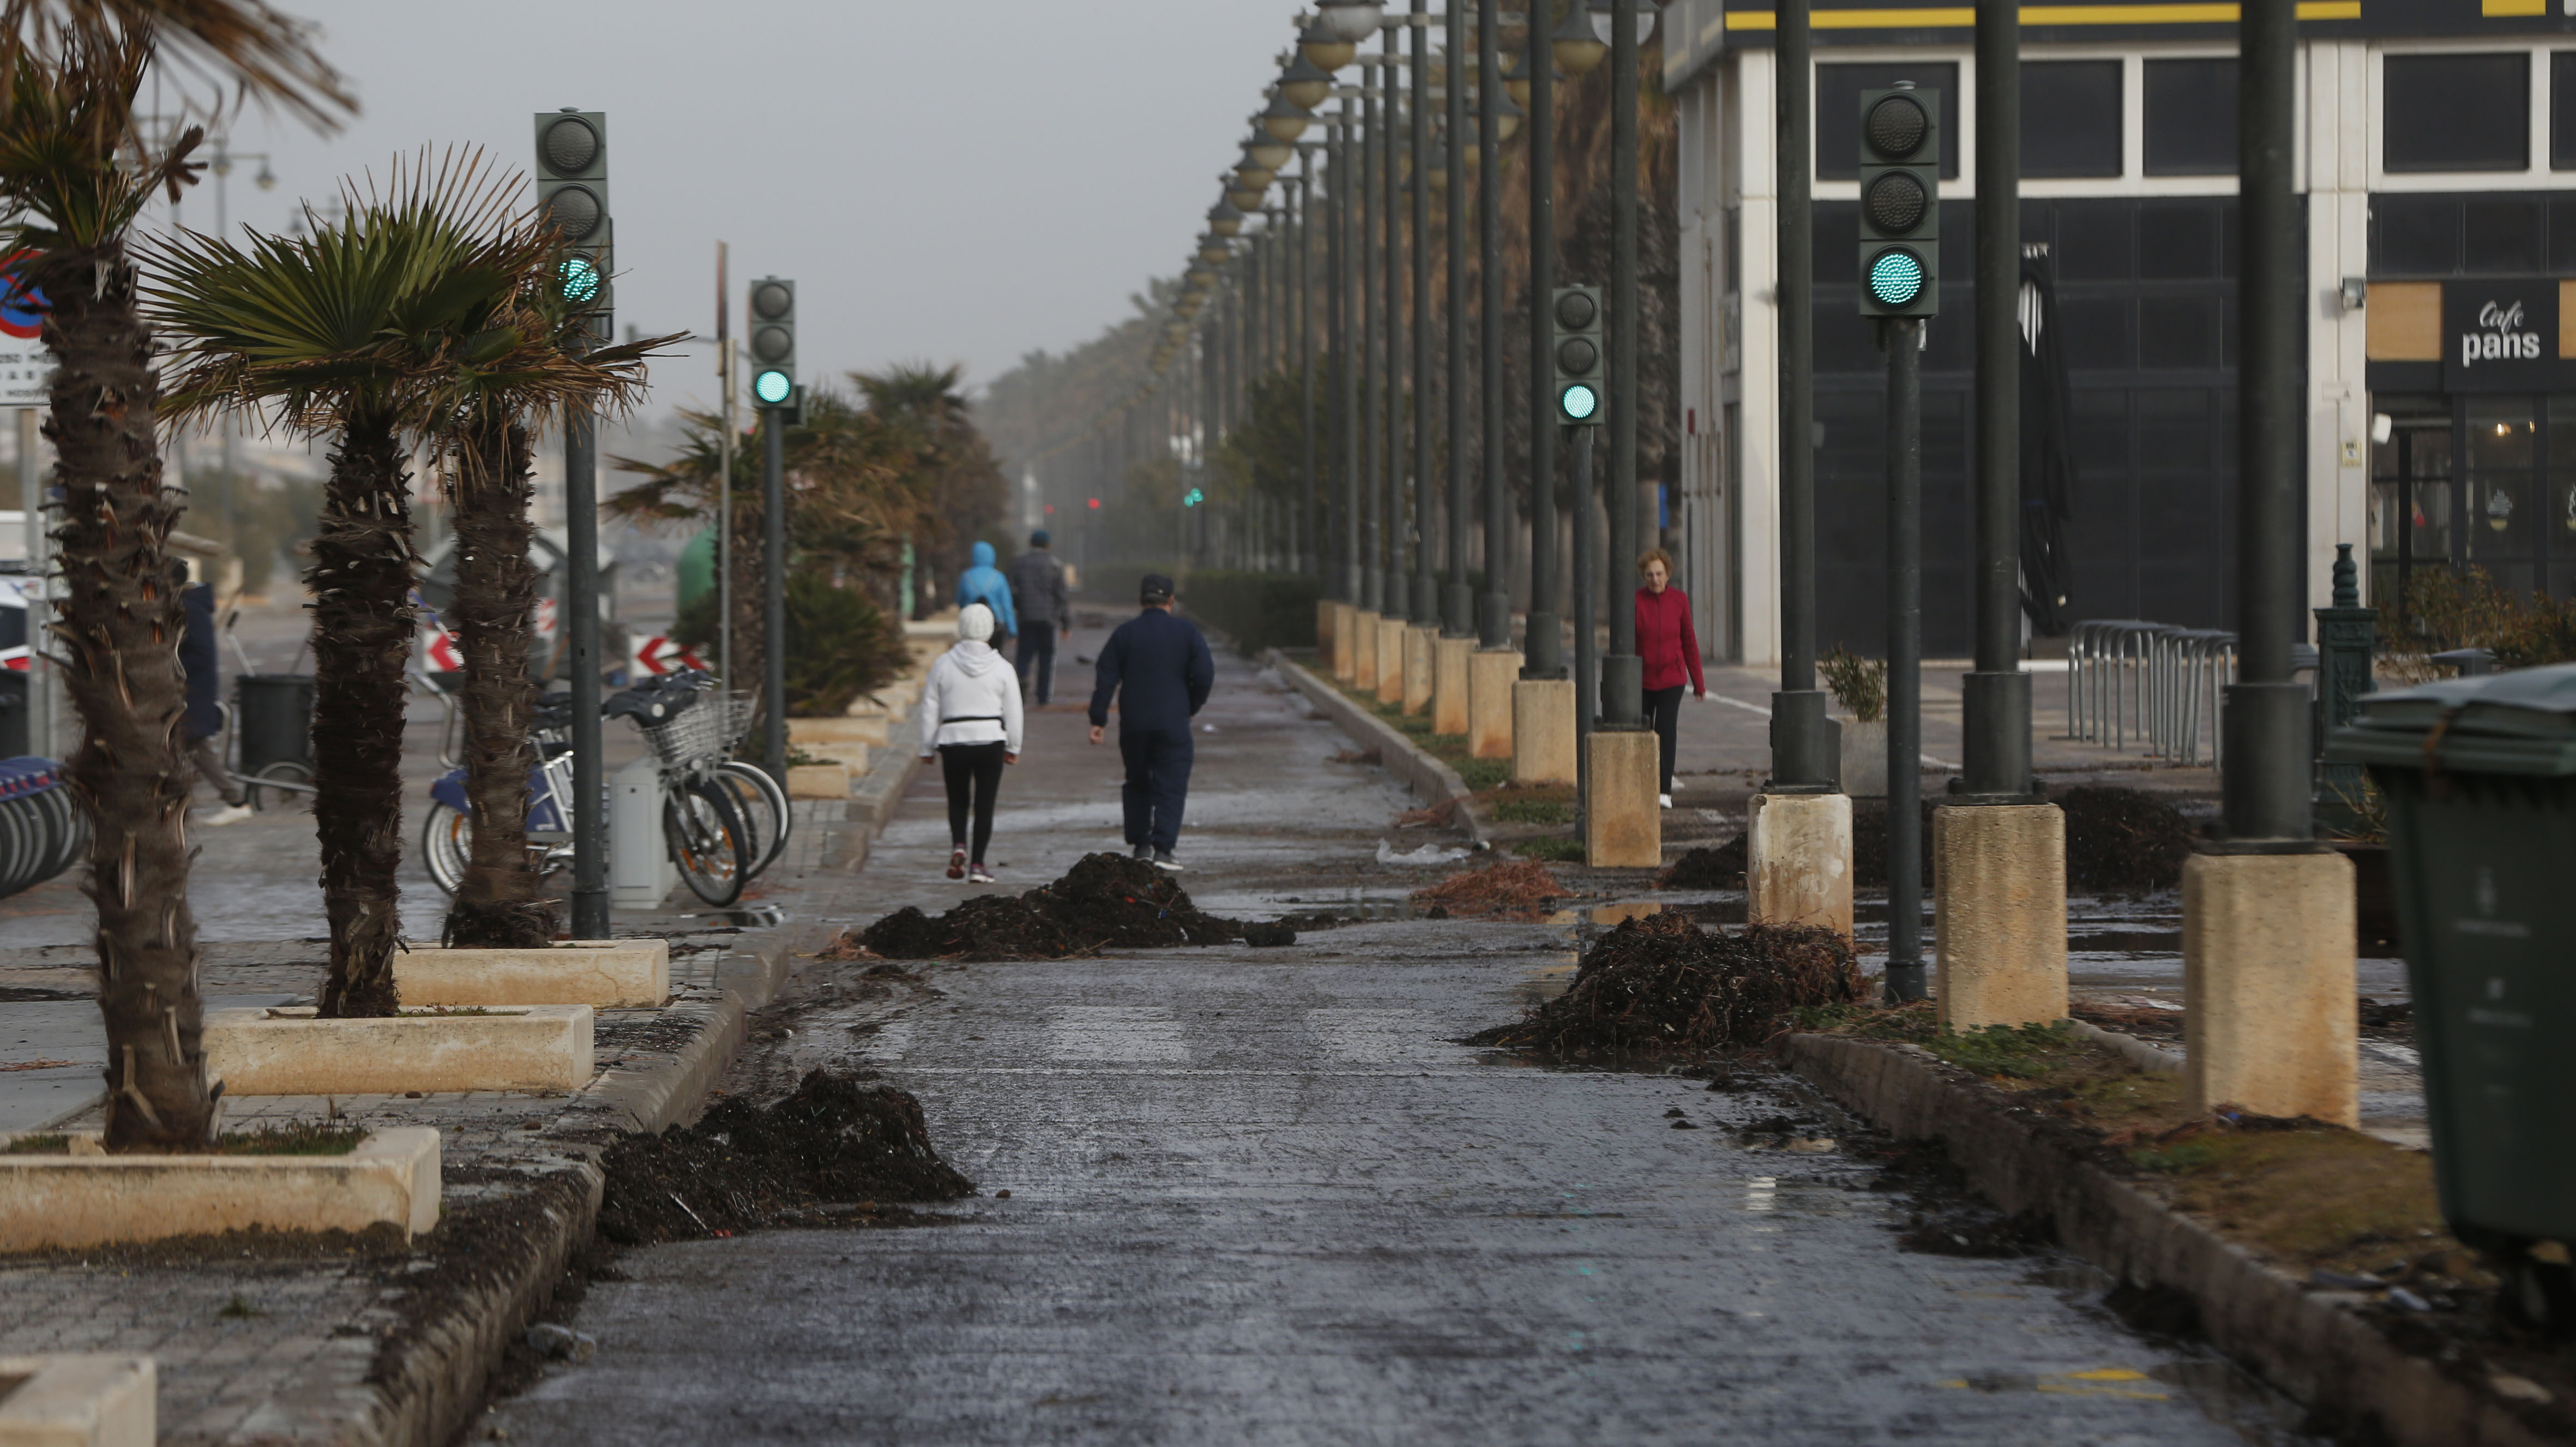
{"x":757,"y":916}
{"x":1608,"y":914}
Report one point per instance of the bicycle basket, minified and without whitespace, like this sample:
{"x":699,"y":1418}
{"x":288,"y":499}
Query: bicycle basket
{"x":694,"y":737}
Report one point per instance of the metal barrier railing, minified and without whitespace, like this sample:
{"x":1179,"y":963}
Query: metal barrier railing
{"x":2156,"y":683}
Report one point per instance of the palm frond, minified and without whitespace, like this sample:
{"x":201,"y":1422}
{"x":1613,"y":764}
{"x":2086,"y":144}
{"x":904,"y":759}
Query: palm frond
{"x":243,"y":47}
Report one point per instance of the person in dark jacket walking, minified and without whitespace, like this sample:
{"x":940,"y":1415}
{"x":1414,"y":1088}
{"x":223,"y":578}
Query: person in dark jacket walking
{"x":1037,"y":593}
{"x":204,"y":716}
{"x":1669,"y":648}
{"x":1159,"y":670}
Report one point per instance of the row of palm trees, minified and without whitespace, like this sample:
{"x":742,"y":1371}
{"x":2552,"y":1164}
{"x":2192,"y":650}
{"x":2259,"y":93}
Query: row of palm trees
{"x":425,"y":317}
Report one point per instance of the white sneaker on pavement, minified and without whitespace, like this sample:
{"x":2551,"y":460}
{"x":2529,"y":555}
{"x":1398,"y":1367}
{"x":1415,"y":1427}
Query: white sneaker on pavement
{"x":1664,"y":799}
{"x":229,"y":814}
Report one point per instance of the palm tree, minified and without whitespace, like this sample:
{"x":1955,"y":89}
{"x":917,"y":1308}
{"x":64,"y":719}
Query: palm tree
{"x":74,"y":176}
{"x":535,"y":365}
{"x":357,"y":330}
{"x":955,"y":462}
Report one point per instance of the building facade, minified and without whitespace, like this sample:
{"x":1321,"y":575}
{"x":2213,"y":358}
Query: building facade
{"x":2437,"y":160}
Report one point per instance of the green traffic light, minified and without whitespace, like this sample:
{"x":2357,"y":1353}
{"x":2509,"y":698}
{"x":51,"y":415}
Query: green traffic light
{"x":1578,"y":402}
{"x":578,"y":278}
{"x":1895,"y":277}
{"x":773,"y":387}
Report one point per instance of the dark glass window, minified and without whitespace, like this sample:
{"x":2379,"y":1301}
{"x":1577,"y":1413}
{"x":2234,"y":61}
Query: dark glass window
{"x":2415,"y":235}
{"x":2191,"y":117}
{"x":2178,"y":240}
{"x":1838,"y":89}
{"x":2562,"y":110}
{"x":2070,"y":118}
{"x":2562,"y":245}
{"x":2503,"y":234}
{"x":2094,"y":241}
{"x":2456,"y":112}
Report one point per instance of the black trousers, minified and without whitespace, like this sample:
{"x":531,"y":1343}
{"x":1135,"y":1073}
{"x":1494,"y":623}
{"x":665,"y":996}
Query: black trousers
{"x":974,"y":774}
{"x":1037,"y":646}
{"x":1158,"y":783}
{"x":1664,"y":706}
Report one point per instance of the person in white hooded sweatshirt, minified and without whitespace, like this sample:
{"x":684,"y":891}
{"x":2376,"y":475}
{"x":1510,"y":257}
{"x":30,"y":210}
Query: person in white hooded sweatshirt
{"x":970,"y":718}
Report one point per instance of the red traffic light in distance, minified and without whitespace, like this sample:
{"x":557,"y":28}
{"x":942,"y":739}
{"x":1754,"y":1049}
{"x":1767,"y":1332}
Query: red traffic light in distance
{"x":1050,"y":509}
{"x":1095,"y":504}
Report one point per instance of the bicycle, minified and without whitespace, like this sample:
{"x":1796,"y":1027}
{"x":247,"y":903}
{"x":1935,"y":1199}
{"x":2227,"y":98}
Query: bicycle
{"x":719,"y":827}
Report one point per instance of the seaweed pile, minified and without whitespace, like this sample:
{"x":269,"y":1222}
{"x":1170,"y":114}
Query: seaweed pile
{"x":1661,"y":985}
{"x":1105,"y":901}
{"x":1520,"y":890}
{"x":838,"y":1140}
{"x":2121,"y":841}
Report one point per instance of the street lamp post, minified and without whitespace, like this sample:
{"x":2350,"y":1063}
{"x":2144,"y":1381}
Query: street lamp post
{"x":1426,"y":584}
{"x":1543,"y":651}
{"x":1494,"y":614}
{"x":1310,"y":557}
{"x":1458,"y":617}
{"x":1372,"y":370}
{"x":1798,"y":728}
{"x":1344,"y":198}
{"x":1622,"y":675}
{"x":1399,"y":559}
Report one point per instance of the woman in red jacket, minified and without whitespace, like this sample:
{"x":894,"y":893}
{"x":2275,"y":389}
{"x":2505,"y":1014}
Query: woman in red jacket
{"x":1670,"y":651}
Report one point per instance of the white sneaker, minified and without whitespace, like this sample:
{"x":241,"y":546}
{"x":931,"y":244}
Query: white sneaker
{"x":1677,"y":786}
{"x":1664,"y":799}
{"x":229,"y":814}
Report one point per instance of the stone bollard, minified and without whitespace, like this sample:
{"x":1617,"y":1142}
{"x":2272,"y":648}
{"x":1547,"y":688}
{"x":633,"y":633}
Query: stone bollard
{"x":1798,"y":860}
{"x":1623,"y":826}
{"x":1449,"y":688}
{"x":1364,"y":650}
{"x":1999,"y":913}
{"x":1491,"y":673}
{"x":1390,"y":658}
{"x":1346,"y":643}
{"x":1325,"y":610}
{"x":2272,"y":1019}
{"x":1419,"y":644}
{"x":1543,"y":731}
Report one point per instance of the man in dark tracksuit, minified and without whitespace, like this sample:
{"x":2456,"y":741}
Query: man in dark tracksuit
{"x":1037,"y":595}
{"x":1159,"y":669}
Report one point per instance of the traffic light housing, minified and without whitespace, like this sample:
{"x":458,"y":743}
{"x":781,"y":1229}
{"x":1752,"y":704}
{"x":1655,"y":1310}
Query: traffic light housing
{"x":1900,"y":202}
{"x":1580,"y":355}
{"x":773,"y":342}
{"x":572,"y":196}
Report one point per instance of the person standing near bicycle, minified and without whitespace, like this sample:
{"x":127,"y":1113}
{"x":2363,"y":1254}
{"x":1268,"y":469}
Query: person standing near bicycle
{"x":970,"y":721}
{"x":204,"y":718}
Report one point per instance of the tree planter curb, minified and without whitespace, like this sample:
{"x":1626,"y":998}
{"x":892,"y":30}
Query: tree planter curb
{"x":1431,"y":780}
{"x":92,"y":1401}
{"x":603,"y":974}
{"x":71,"y":1201}
{"x":2326,"y":1357}
{"x":518,"y":1047}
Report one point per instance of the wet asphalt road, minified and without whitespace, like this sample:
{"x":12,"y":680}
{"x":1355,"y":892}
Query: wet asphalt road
{"x":1256,"y":1196}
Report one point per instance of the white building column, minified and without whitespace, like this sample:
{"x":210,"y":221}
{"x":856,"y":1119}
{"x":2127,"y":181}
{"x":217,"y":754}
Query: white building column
{"x":2338,"y":172}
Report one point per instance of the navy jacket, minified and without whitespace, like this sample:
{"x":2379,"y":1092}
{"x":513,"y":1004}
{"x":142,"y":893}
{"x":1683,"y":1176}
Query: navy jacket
{"x":203,"y":720}
{"x":1159,"y":669}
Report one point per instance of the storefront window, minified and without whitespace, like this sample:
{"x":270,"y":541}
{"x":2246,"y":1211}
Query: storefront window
{"x":2560,"y":524}
{"x":2498,"y":527}
{"x":2410,"y":493}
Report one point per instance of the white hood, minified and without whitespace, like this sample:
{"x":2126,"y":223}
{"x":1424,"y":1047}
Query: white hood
{"x":974,"y":658}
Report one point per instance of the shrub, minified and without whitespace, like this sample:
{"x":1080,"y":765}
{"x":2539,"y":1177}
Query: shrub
{"x":1858,"y":684}
{"x":845,"y":647}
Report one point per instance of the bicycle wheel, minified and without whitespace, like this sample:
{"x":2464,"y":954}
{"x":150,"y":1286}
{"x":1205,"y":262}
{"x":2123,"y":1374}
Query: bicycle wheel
{"x":763,"y":807}
{"x":706,"y":842}
{"x":446,"y":842}
{"x":284,"y":771}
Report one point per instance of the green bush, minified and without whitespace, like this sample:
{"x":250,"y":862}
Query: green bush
{"x":1554,"y":851}
{"x":845,"y":647}
{"x":1257,"y":610}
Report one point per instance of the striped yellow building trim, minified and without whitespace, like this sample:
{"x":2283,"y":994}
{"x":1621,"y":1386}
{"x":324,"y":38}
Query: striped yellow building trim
{"x":1961,"y":17}
{"x":2508,"y":8}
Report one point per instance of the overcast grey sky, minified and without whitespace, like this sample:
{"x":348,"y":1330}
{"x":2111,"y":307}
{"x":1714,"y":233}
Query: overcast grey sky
{"x":953,"y":180}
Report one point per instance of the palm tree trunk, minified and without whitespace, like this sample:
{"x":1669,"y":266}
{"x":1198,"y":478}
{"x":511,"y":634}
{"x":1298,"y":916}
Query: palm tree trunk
{"x":118,"y":629}
{"x":361,"y":581}
{"x":495,"y":607}
{"x":750,"y":614}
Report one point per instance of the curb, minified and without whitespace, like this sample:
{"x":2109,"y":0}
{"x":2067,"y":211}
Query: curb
{"x":1431,"y":780}
{"x":2325,"y":1357}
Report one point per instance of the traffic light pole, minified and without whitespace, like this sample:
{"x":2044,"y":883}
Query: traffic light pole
{"x":1798,"y":721}
{"x":1543,"y":652}
{"x":1587,"y":651}
{"x":773,"y":591}
{"x":1903,"y":338}
{"x":581,"y":605}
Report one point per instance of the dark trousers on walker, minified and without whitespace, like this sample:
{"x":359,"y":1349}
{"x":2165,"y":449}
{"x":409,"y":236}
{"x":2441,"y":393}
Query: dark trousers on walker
{"x":1037,"y":649}
{"x":974,"y":776}
{"x":1664,"y":706}
{"x":1158,"y":783}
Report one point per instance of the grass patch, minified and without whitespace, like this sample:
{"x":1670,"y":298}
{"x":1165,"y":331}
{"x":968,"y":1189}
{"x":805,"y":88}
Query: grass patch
{"x":1533,"y":811}
{"x":1555,"y":851}
{"x":240,"y":1310}
{"x":295,"y":1138}
{"x":1451,"y":749}
{"x":39,"y":1145}
{"x":1483,"y":773}
{"x":2022,"y":1052}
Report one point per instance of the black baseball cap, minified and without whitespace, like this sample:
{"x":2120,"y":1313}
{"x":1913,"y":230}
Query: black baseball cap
{"x":1154,"y":589}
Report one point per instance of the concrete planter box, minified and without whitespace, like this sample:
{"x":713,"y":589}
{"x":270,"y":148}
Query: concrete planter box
{"x":603,"y":974}
{"x":78,"y":1401}
{"x":290,"y":1052}
{"x":1865,"y":758}
{"x":846,"y":739}
{"x":818,"y":781}
{"x":92,"y":1199}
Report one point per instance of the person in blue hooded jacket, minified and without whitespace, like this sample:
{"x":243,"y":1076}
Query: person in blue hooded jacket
{"x":984,"y":583}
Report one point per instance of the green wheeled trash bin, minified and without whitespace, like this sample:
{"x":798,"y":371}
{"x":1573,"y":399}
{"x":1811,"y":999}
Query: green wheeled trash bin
{"x":2479,"y":775}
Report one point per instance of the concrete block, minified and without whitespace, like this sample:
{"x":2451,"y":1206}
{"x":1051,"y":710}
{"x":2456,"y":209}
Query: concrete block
{"x":1390,"y":658}
{"x":1419,"y":645}
{"x":1999,"y":913}
{"x":1346,"y":644}
{"x":845,"y":739}
{"x":543,"y":1048}
{"x":2268,"y":944}
{"x":92,"y":1199}
{"x":603,"y":974}
{"x":1798,"y":860}
{"x":1865,"y":758}
{"x":1364,"y":650}
{"x":1543,"y":731}
{"x":1450,"y":685}
{"x":78,"y":1401}
{"x":818,"y":781}
{"x":1623,"y":826}
{"x":1491,"y":674}
{"x":1326,"y":611}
